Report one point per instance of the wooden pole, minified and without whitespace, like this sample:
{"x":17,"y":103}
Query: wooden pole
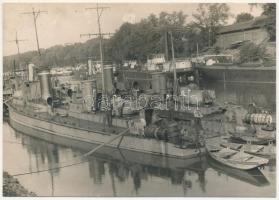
{"x":106,"y":143}
{"x":35,"y":16}
{"x":99,"y":14}
{"x":14,"y":69}
{"x":101,"y":49}
{"x":166,"y":46}
{"x":174,"y":66}
{"x":17,"y":41}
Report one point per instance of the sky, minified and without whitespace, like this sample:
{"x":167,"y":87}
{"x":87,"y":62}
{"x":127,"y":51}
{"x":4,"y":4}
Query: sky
{"x":64,"y":22}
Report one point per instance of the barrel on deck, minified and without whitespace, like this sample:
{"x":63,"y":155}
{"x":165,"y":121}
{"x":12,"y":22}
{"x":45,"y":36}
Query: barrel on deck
{"x":156,"y":132}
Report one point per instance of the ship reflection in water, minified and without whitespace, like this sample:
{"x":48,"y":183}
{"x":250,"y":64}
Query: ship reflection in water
{"x":116,"y":173}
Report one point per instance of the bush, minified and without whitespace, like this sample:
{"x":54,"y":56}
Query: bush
{"x":251,"y":52}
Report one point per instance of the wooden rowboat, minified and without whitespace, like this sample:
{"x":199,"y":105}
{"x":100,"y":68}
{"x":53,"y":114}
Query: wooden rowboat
{"x":253,"y":177}
{"x":258,"y":150}
{"x":233,"y":158}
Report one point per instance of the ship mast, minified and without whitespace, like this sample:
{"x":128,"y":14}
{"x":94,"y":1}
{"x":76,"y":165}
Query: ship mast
{"x":17,"y":41}
{"x":35,"y":15}
{"x":168,"y":31}
{"x":17,"y":44}
{"x":174,"y":67}
{"x":99,"y":11}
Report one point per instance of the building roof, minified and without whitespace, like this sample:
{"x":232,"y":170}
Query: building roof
{"x":258,"y":22}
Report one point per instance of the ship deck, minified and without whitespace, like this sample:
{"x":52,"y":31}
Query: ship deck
{"x":71,"y":121}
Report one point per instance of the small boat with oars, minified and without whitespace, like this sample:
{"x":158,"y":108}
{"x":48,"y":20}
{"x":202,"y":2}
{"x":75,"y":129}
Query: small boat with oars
{"x":268,"y":151}
{"x":233,"y":158}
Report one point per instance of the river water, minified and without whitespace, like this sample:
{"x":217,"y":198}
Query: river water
{"x":115,"y":174}
{"x":102,"y":176}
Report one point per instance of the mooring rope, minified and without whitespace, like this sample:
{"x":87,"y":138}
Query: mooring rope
{"x":75,"y":163}
{"x":50,"y":169}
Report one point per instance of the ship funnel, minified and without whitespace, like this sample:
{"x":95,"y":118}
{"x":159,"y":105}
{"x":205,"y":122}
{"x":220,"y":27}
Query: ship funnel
{"x":90,"y":66}
{"x":44,"y":77}
{"x":108,"y":76}
{"x":31,"y":72}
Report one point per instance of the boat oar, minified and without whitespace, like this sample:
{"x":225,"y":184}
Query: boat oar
{"x":106,"y":143}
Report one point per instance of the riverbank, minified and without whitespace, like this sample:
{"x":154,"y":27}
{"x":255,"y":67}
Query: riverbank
{"x":12,"y":187}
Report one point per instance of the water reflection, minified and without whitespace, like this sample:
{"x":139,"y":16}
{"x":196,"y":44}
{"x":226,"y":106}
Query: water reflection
{"x":123,"y":171}
{"x":254,"y":176}
{"x":118,"y":173}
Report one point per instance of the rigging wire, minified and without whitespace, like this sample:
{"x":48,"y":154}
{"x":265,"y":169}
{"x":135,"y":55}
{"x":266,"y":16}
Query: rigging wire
{"x":50,"y":169}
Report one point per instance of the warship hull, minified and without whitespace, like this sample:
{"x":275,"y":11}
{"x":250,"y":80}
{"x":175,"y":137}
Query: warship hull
{"x":234,"y":74}
{"x":50,"y":130}
{"x":108,"y":153}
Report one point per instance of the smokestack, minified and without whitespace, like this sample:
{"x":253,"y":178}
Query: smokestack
{"x":31,"y":72}
{"x":89,"y":67}
{"x":108,"y":76}
{"x":44,"y":77}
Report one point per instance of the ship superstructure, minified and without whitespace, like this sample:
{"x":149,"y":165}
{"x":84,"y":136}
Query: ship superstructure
{"x":159,"y":111}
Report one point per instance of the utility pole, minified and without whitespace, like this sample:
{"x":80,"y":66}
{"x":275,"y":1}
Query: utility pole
{"x":99,"y":11}
{"x":35,"y":16}
{"x":173,"y":65}
{"x":17,"y":41}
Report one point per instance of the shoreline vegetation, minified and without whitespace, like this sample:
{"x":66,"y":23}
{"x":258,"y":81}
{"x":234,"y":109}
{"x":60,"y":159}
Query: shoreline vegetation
{"x":136,"y":41}
{"x":12,"y":187}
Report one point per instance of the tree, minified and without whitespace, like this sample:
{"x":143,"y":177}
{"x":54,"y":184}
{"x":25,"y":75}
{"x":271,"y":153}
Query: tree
{"x":243,"y":17}
{"x":176,"y":23}
{"x":175,"y":19}
{"x":209,"y":18}
{"x":194,"y":39}
{"x":269,"y":10}
{"x":137,"y":41}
